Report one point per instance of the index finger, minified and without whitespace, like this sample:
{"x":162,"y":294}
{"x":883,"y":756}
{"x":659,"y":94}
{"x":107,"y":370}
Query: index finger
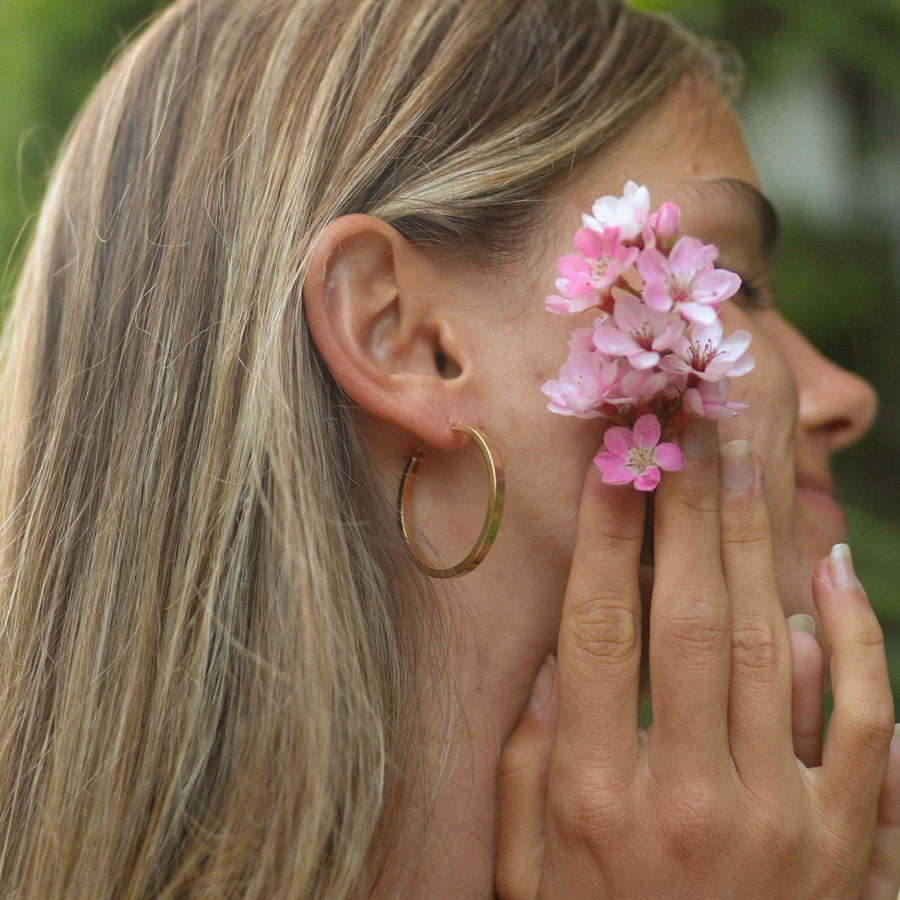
{"x":599,"y":651}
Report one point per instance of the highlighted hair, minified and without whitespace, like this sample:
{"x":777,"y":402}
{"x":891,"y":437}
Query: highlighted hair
{"x":209,"y":630}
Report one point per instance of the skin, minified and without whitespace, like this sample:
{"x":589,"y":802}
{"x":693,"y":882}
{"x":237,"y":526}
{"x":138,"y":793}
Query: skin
{"x":418,"y":342}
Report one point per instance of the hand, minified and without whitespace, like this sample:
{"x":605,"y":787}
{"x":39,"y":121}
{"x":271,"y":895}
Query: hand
{"x":882,"y":878}
{"x":711,"y":800}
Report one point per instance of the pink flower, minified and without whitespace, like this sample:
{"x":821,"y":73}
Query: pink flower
{"x":639,"y":387}
{"x":583,"y":382}
{"x":686,"y":280}
{"x":709,"y":400}
{"x":656,"y":351}
{"x":662,"y":227}
{"x":637,"y":456}
{"x":583,"y":338}
{"x":568,"y":305}
{"x":592,"y":273}
{"x":708,"y":356}
{"x":627,"y":213}
{"x":638,"y":333}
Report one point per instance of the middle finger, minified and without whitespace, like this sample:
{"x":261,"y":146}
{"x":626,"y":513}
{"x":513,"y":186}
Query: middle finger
{"x":690,"y":639}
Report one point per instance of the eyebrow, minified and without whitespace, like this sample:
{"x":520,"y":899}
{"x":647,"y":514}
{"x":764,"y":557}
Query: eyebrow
{"x":763,"y":211}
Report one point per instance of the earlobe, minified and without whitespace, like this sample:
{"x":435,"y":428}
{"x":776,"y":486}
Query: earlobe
{"x":371,"y":304}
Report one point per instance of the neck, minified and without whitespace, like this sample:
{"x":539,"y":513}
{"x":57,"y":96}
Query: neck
{"x":502,"y":627}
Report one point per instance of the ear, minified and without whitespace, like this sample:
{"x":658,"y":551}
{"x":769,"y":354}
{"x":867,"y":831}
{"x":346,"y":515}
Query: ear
{"x":374,"y":306}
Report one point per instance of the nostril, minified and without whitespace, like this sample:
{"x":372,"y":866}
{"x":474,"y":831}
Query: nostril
{"x":836,"y":426}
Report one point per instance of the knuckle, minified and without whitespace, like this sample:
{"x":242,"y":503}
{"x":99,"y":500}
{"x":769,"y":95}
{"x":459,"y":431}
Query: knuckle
{"x":615,"y":535}
{"x":750,"y":535}
{"x":756,"y":647}
{"x":872,"y":721}
{"x":699,"y":505}
{"x":869,"y":636}
{"x":694,"y":828}
{"x":604,"y":630}
{"x":777,"y":829}
{"x":696,"y":620}
{"x":588,"y":816}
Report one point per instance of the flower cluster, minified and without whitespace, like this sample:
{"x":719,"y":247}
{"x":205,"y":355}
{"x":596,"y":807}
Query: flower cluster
{"x":656,"y":354}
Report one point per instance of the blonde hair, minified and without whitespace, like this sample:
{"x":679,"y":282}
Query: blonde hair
{"x":209,"y":623}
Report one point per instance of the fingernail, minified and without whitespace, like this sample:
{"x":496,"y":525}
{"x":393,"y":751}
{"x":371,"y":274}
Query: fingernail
{"x":802,"y":622}
{"x":736,"y":466}
{"x":897,"y":731}
{"x":700,"y":438}
{"x":841,"y":562}
{"x":543,"y":684}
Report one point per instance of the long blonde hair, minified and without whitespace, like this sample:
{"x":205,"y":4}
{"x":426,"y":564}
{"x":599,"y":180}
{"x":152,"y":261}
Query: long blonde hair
{"x":207,"y":621}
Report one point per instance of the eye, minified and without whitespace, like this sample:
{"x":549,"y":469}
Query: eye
{"x":755,"y":293}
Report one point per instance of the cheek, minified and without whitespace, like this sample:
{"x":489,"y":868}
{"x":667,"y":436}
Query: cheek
{"x":546,"y":456}
{"x":769,"y":423}
{"x":770,"y":390}
{"x":770,"y":393}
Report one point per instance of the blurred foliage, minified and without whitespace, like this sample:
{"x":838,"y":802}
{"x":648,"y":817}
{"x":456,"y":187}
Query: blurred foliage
{"x":51,"y":54}
{"x":837,"y":275}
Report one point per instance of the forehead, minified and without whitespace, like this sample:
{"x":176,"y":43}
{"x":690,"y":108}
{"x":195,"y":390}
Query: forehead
{"x":691,"y":137}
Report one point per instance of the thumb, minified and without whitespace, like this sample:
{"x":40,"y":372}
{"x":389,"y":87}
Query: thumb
{"x":524,"y":772}
{"x":807,"y":714}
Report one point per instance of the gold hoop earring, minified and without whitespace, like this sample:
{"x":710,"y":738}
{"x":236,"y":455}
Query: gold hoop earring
{"x":491,"y":522}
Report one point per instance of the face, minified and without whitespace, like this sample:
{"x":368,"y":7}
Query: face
{"x":801,"y":407}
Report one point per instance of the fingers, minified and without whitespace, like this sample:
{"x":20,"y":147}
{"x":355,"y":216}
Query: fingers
{"x":690,"y":643}
{"x":883,"y":875}
{"x":524,"y":768}
{"x":733,"y":690}
{"x":807,"y":707}
{"x":600,"y":636}
{"x":861,"y":727}
{"x":760,"y":695}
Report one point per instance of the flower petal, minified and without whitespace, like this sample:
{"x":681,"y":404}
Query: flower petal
{"x":670,"y":457}
{"x":648,"y":480}
{"x":716,"y":285}
{"x":698,"y":312}
{"x":612,"y":340}
{"x":618,"y":441}
{"x":568,"y":305}
{"x":596,"y":244}
{"x":612,"y":469}
{"x":645,"y":359}
{"x":647,"y":431}
{"x":690,"y":255}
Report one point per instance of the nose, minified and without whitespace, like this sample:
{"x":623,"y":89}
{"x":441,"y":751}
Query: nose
{"x":836,"y":406}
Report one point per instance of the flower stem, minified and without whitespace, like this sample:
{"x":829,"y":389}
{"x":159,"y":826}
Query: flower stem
{"x":647,"y":556}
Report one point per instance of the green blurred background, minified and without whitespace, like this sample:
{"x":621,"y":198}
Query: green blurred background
{"x":821,"y":106}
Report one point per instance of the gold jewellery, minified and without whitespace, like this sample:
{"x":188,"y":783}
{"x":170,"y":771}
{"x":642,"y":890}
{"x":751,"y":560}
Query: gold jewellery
{"x":491,"y":521}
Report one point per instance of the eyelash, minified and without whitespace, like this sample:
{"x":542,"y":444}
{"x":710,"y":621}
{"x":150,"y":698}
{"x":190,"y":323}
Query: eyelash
{"x":756,"y":293}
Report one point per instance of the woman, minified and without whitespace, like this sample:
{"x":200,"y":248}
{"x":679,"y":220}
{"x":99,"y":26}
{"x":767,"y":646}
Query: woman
{"x":289,"y":242}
